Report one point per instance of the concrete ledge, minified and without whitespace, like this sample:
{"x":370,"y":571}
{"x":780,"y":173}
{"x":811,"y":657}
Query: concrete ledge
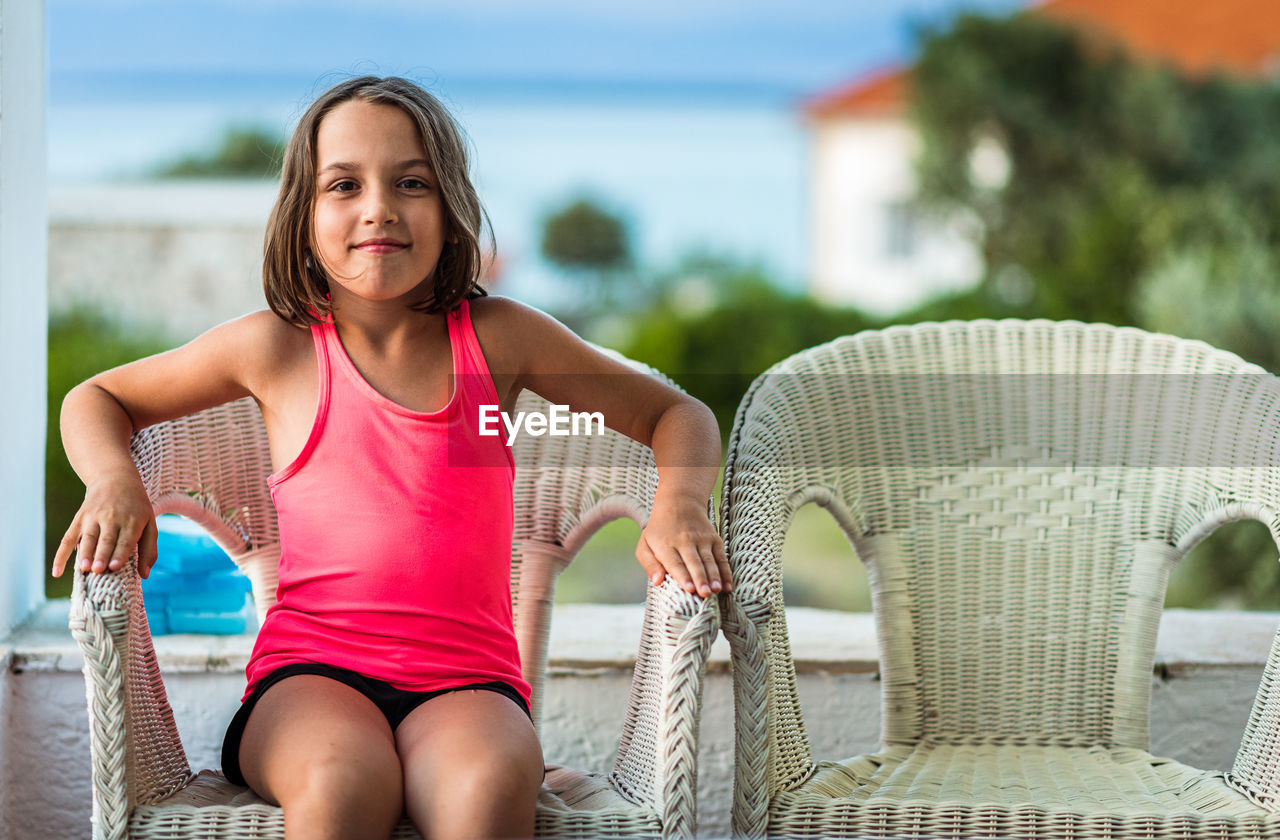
{"x":596,"y":637}
{"x":584,"y":637}
{"x":1205,"y":660}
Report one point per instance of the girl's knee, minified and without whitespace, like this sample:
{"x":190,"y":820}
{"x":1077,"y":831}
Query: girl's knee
{"x":472,"y":761}
{"x":484,"y":799}
{"x":493,"y":778}
{"x":347,"y":791}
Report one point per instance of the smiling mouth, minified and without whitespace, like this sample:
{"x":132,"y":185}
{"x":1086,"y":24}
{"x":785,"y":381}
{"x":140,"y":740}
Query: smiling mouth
{"x":381,"y":246}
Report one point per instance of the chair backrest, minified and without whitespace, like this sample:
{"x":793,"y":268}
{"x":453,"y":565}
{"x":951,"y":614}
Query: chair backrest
{"x":212,"y":467}
{"x":1018,"y":492}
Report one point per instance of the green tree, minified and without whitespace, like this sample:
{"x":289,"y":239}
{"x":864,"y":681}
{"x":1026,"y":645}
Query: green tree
{"x":1108,"y":165}
{"x":583,"y":236}
{"x":715,"y":352}
{"x":242,"y":152}
{"x":81,"y":343}
{"x":593,"y":247}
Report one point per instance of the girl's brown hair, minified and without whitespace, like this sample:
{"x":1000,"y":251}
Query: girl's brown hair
{"x":296,"y":286}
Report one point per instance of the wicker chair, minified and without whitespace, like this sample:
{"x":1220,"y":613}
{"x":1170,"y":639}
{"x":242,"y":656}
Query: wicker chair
{"x":1018,"y":492}
{"x":212,"y":467}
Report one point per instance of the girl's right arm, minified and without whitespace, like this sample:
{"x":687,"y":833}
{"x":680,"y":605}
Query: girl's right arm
{"x":100,"y":415}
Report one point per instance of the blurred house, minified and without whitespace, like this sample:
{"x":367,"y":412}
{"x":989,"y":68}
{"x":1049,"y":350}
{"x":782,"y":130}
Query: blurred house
{"x":871,"y":246}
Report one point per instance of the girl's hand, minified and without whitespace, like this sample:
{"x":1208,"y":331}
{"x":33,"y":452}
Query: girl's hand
{"x":115,"y":517}
{"x":679,"y":540}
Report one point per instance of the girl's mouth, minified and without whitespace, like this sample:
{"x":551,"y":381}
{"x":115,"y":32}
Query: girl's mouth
{"x":381,"y":246}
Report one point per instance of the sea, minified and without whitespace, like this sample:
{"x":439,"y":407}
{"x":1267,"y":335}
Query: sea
{"x":709,"y":169}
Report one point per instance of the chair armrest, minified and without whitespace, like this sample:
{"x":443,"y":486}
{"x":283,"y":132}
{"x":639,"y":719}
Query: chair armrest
{"x":744,"y":623}
{"x":137,"y":756}
{"x":1256,"y":770}
{"x":666,"y":699}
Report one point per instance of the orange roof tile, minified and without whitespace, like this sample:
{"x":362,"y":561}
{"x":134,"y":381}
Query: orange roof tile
{"x":882,"y":92}
{"x":1241,"y":37}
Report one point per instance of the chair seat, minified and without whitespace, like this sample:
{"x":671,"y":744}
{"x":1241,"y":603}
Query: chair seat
{"x":571,"y":803}
{"x":954,"y":790}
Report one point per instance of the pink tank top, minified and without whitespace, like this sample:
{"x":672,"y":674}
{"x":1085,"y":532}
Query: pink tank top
{"x":395,"y":533}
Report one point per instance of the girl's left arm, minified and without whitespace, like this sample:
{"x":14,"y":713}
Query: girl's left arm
{"x":543,"y":355}
{"x":679,"y":538}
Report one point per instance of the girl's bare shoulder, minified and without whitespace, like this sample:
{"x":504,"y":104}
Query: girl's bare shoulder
{"x":266,"y":346}
{"x":502,"y":325}
{"x":250,"y":355}
{"x":498,"y":309}
{"x":512,"y":320}
{"x":267,"y":330}
{"x":258,"y":334}
{"x":530,"y":342}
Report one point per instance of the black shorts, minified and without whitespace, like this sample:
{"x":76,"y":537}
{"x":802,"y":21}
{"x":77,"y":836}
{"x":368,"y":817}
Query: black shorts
{"x":394,"y":703}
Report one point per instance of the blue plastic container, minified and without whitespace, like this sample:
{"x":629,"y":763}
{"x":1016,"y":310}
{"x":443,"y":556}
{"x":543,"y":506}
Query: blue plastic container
{"x":194,"y":586}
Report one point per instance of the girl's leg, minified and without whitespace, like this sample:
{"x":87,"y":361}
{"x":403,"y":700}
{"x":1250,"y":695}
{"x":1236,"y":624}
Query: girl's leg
{"x":323,"y":752}
{"x":472,"y":766}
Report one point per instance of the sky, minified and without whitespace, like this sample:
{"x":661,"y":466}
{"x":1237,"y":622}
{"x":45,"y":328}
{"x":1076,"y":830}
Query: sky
{"x":748,"y":48}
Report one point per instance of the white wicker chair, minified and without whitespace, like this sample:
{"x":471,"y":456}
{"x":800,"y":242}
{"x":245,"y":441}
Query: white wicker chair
{"x":212,"y":467}
{"x":1018,"y":492}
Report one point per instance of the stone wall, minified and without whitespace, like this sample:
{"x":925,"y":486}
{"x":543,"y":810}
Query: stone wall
{"x":168,"y":258}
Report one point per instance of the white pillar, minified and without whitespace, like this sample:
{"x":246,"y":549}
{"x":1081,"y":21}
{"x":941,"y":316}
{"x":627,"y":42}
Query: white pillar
{"x":23,"y":308}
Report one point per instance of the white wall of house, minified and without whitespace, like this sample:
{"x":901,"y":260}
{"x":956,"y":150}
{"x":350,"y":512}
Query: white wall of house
{"x":871,"y":249}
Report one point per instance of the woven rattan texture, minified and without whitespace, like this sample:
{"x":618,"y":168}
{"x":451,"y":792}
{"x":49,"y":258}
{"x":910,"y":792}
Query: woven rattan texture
{"x":212,"y":467}
{"x":1018,"y":492}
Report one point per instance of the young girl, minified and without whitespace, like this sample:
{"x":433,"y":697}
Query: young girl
{"x":386,"y":679}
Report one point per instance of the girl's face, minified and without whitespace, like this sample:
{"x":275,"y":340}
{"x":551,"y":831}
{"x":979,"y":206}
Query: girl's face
{"x":379,"y":222}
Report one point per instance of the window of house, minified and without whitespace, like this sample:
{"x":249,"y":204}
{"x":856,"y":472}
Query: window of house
{"x":901,"y":230}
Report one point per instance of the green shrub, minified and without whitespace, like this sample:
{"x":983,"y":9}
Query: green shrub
{"x":242,"y":152}
{"x":81,"y":343}
{"x":715,"y":353}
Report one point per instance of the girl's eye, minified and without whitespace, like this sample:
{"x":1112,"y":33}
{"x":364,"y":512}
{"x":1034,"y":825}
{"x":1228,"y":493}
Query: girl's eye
{"x":342,"y":186}
{"x":414,"y":183}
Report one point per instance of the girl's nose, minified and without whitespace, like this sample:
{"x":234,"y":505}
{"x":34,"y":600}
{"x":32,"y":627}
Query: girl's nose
{"x":379,"y":208}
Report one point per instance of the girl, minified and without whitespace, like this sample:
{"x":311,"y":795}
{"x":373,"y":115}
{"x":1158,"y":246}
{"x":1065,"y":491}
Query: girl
{"x":386,"y":679}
